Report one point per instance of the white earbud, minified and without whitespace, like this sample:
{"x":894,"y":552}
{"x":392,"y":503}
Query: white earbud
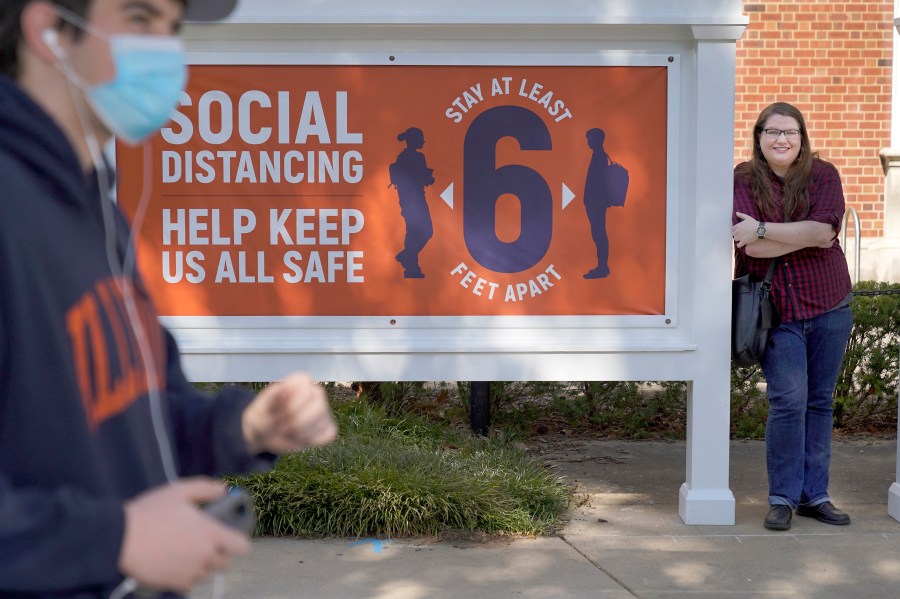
{"x":51,"y":38}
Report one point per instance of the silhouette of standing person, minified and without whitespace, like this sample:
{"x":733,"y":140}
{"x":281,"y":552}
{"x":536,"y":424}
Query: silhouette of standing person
{"x":596,"y":201}
{"x":410,"y":175}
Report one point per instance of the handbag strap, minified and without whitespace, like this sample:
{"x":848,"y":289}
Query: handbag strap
{"x":771,"y":272}
{"x":767,"y":282}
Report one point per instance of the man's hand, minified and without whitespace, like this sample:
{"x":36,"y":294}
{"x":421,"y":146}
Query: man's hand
{"x":172,"y":545}
{"x":287,"y":416}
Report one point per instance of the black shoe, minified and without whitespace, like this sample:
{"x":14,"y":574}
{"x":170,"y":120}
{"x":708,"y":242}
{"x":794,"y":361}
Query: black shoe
{"x":778,"y":518}
{"x":824,"y":512}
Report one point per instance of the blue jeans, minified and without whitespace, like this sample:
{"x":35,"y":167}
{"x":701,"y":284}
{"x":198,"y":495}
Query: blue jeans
{"x":801,"y":366}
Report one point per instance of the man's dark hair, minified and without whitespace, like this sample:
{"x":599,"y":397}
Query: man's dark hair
{"x":11,"y":30}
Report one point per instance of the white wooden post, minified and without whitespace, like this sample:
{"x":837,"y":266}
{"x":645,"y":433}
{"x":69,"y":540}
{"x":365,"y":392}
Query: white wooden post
{"x":705,"y":497}
{"x":894,"y":493}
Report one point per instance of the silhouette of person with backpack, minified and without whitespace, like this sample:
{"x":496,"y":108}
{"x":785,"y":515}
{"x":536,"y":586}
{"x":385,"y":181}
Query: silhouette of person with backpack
{"x":410,"y":175}
{"x":604,"y":186}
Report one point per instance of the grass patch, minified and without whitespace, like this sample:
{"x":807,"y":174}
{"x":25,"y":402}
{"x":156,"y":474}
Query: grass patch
{"x":401,"y":476}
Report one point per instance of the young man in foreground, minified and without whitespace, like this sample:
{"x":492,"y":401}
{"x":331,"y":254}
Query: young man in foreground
{"x":98,"y":424}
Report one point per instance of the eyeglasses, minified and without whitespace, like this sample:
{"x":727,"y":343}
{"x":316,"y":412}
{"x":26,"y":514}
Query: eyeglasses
{"x":776,"y":133}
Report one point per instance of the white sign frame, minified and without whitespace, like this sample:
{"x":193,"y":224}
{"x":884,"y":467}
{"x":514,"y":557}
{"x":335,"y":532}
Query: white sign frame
{"x":236,"y":335}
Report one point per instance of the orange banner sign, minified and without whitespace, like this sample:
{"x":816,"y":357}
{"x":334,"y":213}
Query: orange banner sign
{"x":406,"y":190}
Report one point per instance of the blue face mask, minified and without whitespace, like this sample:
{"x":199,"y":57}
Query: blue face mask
{"x":150,"y":76}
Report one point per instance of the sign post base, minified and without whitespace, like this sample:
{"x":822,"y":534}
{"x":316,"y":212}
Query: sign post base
{"x":707,"y":506}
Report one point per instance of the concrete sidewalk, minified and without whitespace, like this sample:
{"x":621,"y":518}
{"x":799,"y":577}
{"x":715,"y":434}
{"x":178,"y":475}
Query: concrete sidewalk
{"x":627,"y":541}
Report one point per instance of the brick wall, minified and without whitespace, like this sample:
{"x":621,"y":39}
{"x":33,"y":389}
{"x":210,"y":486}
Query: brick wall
{"x":832,"y":60}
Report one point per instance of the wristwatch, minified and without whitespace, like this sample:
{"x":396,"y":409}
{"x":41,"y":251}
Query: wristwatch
{"x":761,"y":230}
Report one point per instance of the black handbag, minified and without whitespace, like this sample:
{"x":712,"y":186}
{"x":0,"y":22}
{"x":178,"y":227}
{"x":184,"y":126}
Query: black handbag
{"x":752,"y":317}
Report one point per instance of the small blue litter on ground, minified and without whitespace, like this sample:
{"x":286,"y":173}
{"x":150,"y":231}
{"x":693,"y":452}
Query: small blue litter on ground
{"x":377,"y":544}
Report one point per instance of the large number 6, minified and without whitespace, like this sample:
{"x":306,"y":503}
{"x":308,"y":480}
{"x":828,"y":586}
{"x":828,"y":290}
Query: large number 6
{"x":484,"y":183}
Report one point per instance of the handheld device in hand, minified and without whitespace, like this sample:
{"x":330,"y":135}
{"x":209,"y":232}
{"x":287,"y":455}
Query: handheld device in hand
{"x":234,"y":509}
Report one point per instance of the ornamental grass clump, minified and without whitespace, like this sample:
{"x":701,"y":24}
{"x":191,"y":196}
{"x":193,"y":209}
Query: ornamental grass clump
{"x":402,"y":476}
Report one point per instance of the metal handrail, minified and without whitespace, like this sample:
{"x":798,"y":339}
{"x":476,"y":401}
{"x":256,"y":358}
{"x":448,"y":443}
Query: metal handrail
{"x":851,"y":211}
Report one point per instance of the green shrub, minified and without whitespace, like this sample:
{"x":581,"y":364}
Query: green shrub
{"x":637,"y":410}
{"x":394,"y":476}
{"x":866,"y":393}
{"x":749,"y":406}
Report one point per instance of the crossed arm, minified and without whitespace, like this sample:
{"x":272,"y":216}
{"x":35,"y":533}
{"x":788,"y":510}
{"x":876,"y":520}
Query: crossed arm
{"x":781,"y":238}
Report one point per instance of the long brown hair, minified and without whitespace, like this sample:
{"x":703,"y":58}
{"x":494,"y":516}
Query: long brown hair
{"x":795,"y":195}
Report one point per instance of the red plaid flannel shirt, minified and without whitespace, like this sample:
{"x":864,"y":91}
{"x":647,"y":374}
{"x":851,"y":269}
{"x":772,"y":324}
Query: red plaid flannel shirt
{"x":810,"y":281}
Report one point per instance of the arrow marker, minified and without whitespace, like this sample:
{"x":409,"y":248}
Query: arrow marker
{"x":567,"y":196}
{"x":447,"y":196}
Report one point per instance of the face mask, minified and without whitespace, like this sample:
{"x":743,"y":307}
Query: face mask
{"x":150,"y":76}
